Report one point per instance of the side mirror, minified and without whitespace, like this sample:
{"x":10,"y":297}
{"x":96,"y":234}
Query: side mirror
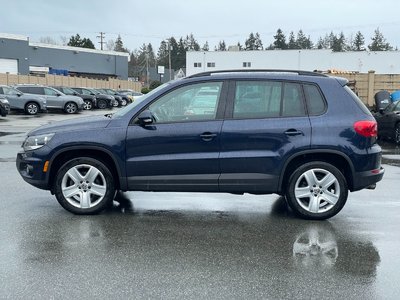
{"x":58,"y":94}
{"x":19,"y":94}
{"x":145,"y":118}
{"x":381,"y":110}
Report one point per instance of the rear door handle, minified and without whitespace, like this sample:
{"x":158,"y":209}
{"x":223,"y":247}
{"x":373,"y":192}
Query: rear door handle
{"x":207,"y":136}
{"x":293,"y":132}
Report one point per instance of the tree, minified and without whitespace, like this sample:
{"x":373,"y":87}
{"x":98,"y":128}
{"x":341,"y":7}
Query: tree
{"x":280,"y":40}
{"x":76,"y":41}
{"x":205,"y":47}
{"x":110,"y":45}
{"x":48,"y":40}
{"x":221,"y":46}
{"x":292,"y":44}
{"x":190,"y":43}
{"x":302,"y":41}
{"x":358,"y":42}
{"x":163,"y":54}
{"x":338,"y":43}
{"x":119,"y":45}
{"x":379,"y":42}
{"x":253,"y":42}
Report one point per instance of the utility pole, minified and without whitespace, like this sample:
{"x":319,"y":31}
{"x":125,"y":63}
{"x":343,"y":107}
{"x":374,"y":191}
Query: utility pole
{"x":101,"y":36}
{"x":169,"y":60}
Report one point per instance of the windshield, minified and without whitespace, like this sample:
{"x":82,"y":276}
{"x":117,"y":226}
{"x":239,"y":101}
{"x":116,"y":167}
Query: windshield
{"x":131,"y":106}
{"x":69,"y":91}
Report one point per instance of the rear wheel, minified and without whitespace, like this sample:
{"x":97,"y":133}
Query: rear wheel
{"x":84,"y":186}
{"x":31,"y":108}
{"x":317,"y":191}
{"x":123,"y":102}
{"x":70,"y":108}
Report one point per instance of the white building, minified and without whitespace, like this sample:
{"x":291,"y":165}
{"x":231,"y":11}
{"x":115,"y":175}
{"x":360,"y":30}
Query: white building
{"x":382,"y":62}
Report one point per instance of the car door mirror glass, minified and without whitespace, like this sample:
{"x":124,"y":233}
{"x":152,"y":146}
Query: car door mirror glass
{"x":145,"y":118}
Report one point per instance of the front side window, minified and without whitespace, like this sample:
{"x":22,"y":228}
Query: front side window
{"x":9,"y":91}
{"x":267,"y":99}
{"x":189,"y":103}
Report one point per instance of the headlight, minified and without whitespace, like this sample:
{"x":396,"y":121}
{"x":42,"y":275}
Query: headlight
{"x":4,"y":101}
{"x":36,"y":141}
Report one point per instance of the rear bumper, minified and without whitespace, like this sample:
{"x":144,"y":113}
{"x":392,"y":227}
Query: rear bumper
{"x":366,"y":179}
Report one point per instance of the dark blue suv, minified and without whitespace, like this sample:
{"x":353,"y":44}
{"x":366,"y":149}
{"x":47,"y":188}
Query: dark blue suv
{"x":300,"y":134}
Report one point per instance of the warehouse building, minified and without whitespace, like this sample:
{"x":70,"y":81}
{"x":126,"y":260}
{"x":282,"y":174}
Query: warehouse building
{"x":20,"y":56}
{"x":382,"y":62}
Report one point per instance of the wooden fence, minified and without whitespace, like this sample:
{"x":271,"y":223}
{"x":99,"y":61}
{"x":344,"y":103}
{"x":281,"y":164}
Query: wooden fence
{"x":368,"y":84}
{"x":57,"y":80}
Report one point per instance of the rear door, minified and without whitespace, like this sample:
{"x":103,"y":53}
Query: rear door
{"x":266,"y":123}
{"x":179,"y":151}
{"x":53,"y":99}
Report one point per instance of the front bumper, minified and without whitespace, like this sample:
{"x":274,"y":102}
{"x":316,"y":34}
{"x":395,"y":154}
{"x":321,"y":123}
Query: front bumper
{"x":30,"y":167}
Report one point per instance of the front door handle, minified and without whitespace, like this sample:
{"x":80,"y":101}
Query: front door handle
{"x":293,"y":132}
{"x":207,"y":136}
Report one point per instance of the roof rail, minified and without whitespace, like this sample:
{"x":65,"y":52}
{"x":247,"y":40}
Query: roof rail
{"x":299,"y":72}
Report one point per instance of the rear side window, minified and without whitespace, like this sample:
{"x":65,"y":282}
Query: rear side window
{"x":315,"y":102}
{"x":32,"y":90}
{"x":267,"y":99}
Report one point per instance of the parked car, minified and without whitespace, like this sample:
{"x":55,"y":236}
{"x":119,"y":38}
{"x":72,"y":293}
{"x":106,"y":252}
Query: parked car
{"x":133,"y":95}
{"x":389,"y":122}
{"x":54,"y":98}
{"x":30,"y":104}
{"x":306,"y":136}
{"x":89,"y":100}
{"x":120,"y":101}
{"x":4,"y":106}
{"x":103,"y":101}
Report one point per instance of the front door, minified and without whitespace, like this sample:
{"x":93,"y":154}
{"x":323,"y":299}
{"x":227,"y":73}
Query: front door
{"x":179,"y":151}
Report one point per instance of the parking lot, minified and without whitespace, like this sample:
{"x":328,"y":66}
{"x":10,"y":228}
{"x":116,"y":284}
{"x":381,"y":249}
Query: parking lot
{"x":193,"y":245}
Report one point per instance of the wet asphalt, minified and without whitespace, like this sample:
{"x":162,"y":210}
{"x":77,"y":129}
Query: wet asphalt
{"x":194,"y":245}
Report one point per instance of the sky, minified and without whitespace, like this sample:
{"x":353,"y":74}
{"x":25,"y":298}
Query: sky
{"x":145,"y":21}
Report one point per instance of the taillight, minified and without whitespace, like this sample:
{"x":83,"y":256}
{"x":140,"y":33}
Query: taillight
{"x":366,"y":128}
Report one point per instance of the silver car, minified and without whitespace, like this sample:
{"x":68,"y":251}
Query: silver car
{"x":55,"y":99}
{"x":30,"y":104}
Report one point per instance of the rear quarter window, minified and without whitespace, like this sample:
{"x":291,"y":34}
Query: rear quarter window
{"x":315,"y":101}
{"x":357,"y":100}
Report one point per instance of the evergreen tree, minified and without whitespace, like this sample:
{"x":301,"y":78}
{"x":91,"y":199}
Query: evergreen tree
{"x":221,"y":46}
{"x":163,"y":54}
{"x":258,"y":43}
{"x":280,"y":40}
{"x":338,"y":43}
{"x":292,"y":44}
{"x":240,"y":46}
{"x":302,"y":41}
{"x":205,"y":47}
{"x":379,"y":42}
{"x":76,"y":41}
{"x":119,"y":45}
{"x":191,"y":43}
{"x":358,"y":42}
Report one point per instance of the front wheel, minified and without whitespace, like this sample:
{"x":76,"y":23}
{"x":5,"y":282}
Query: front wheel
{"x":31,"y":108}
{"x":316,"y":191}
{"x":87,"y":105}
{"x":397,"y":134}
{"x":84,"y":186}
{"x":70,"y":108}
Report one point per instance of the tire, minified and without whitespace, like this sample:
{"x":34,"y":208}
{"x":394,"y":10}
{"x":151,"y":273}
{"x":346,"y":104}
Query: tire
{"x":84,"y":186}
{"x":123,"y":102}
{"x":397,"y":134}
{"x":115,"y":103}
{"x":71,"y":108}
{"x":102,"y":104}
{"x":316,"y":191}
{"x":88,"y":105}
{"x":31,"y":108}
